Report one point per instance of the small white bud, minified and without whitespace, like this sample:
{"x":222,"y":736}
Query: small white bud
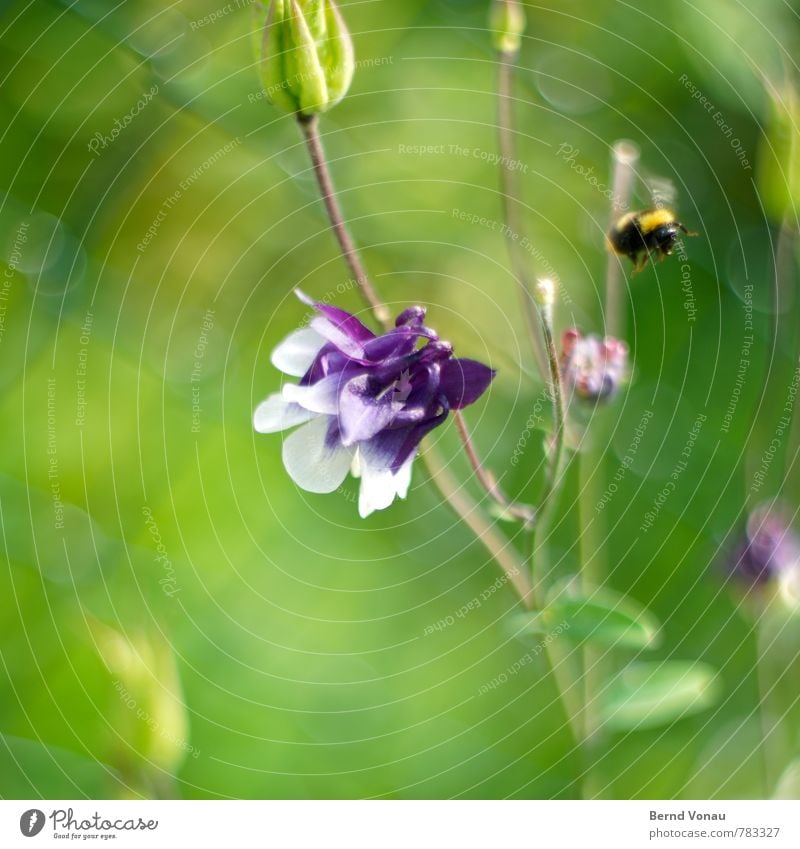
{"x":545,"y":292}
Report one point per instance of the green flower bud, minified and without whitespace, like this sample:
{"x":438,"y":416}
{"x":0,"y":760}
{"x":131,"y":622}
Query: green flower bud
{"x":149,"y":710}
{"x":507,"y":22}
{"x":304,"y":54}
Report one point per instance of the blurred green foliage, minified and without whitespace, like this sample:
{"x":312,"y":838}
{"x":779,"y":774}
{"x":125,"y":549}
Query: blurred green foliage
{"x":152,"y":246}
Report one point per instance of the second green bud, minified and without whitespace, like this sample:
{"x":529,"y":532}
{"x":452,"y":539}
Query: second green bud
{"x":507,"y":22}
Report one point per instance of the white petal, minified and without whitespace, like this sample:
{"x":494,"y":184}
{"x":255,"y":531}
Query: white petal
{"x":379,"y":486}
{"x":297,"y":352}
{"x":403,"y":477}
{"x":313,"y":465}
{"x":275,"y":414}
{"x":320,"y":397}
{"x":355,"y":466}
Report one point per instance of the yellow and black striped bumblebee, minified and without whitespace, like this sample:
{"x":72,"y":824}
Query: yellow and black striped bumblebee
{"x":642,"y":235}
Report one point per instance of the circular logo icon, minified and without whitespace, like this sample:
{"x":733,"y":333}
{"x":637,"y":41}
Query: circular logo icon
{"x":31,"y":822}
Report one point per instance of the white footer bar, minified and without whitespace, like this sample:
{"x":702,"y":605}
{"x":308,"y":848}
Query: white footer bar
{"x":402,"y":825}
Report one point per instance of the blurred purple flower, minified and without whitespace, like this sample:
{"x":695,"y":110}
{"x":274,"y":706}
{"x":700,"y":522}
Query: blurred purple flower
{"x":364,"y":401}
{"x":592,"y":367}
{"x":769,"y":549}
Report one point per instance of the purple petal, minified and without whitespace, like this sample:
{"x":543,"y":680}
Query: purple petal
{"x":330,"y":359}
{"x":408,"y":447}
{"x":413,"y":316}
{"x":340,"y":338}
{"x":399,"y":342}
{"x":363,"y":412}
{"x":464,"y":381}
{"x":346,"y":322}
{"x":393,"y":448}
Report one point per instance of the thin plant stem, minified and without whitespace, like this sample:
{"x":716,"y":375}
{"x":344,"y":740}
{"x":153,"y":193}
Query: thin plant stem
{"x":500,"y":548}
{"x":310,"y":129}
{"x":764,"y":714}
{"x":511,"y":196}
{"x":496,"y":544}
{"x":559,"y":410}
{"x":487,"y":480}
{"x":593,"y":679}
{"x":540,"y":319}
{"x":625,"y":156}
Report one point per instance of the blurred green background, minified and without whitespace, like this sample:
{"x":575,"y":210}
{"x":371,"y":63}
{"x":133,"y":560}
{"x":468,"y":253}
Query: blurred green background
{"x":179,"y":619}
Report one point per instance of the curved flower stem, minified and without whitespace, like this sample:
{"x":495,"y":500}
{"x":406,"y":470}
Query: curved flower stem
{"x":524,"y":512}
{"x":310,"y":129}
{"x":501,"y":550}
{"x":511,"y":200}
{"x":497,"y":545}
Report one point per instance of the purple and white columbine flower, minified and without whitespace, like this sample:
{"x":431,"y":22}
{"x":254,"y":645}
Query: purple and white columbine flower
{"x":364,"y":402}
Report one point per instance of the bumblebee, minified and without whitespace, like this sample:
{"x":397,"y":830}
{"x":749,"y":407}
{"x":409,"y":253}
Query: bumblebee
{"x":642,"y":235}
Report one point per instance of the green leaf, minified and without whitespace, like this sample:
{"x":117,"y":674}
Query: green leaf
{"x":597,"y":616}
{"x":646,"y":695}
